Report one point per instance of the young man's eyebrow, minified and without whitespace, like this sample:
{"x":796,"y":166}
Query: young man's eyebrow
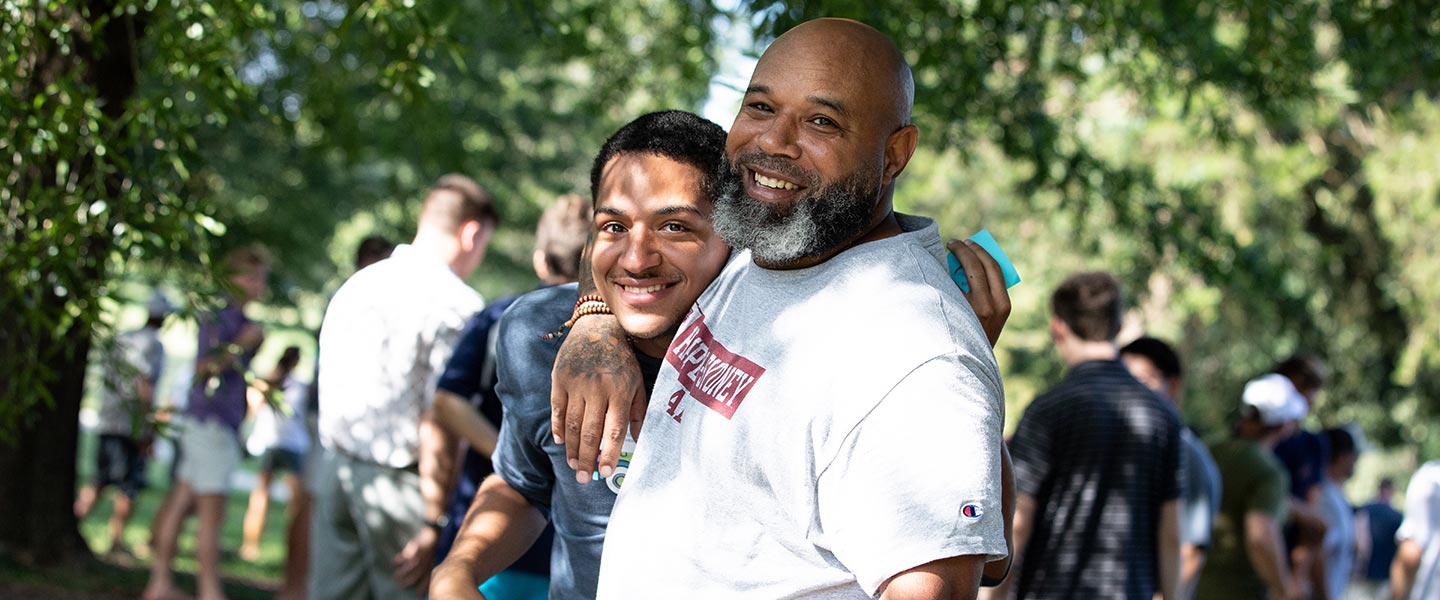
{"x":664,"y":212}
{"x":757,"y":89}
{"x":679,"y":208}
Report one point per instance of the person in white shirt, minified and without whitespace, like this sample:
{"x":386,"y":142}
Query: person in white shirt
{"x":387,"y":466}
{"x":1415,"y":572}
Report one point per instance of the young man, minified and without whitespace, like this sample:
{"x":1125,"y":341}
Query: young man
{"x":652,"y":183}
{"x":132,"y":371}
{"x":831,"y":355}
{"x":1097,"y":465}
{"x":381,"y":487}
{"x":1340,"y":533}
{"x":1155,"y":364}
{"x":1247,"y":559}
{"x":209,"y":434}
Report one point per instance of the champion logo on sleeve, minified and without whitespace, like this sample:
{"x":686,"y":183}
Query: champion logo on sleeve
{"x":971,"y":511}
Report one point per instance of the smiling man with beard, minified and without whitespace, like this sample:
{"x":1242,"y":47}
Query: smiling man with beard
{"x":802,"y":433}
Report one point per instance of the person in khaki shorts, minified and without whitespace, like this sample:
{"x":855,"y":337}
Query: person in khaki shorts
{"x":209,"y":439}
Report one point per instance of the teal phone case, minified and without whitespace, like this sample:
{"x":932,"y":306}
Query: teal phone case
{"x":987,"y":242}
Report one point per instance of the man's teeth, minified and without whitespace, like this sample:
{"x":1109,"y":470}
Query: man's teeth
{"x":774,"y":183}
{"x":642,"y":290}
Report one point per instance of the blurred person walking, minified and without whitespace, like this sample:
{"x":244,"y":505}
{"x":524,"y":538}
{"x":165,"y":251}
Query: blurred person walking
{"x":1156,"y":364}
{"x":209,"y":432}
{"x":1415,"y":572}
{"x":1344,"y":450}
{"x":1376,"y":523}
{"x":1247,"y":557}
{"x":387,"y":466}
{"x":1098,"y":466}
{"x":1305,"y":456}
{"x":132,"y":371}
{"x":279,"y":437}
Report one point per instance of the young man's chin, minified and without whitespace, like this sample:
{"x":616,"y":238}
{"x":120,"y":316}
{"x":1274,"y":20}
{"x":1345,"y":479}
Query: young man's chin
{"x":649,"y":331}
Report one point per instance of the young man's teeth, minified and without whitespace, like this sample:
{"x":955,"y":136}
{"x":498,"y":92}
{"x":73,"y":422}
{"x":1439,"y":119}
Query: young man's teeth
{"x":642,"y":290}
{"x":774,"y":183}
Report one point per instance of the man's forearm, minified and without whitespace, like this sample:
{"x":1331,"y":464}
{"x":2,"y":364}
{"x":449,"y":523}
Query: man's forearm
{"x":1403,"y":569}
{"x":499,"y":527}
{"x":1319,"y":590}
{"x":1169,"y":550}
{"x":460,"y":418}
{"x":437,"y":465}
{"x":1267,"y":553}
{"x":1192,"y":561}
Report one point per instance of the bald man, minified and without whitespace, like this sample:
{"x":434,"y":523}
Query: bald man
{"x":800,"y":439}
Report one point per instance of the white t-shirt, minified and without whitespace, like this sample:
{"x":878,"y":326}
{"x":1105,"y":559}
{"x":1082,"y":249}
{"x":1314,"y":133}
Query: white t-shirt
{"x":285,"y":431}
{"x":1422,"y":525}
{"x":137,"y":353}
{"x":387,"y":334}
{"x":813,"y":433}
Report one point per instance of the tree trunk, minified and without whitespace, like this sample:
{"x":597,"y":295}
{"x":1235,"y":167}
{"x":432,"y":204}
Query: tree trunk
{"x":38,"y":488}
{"x":37,"y":473}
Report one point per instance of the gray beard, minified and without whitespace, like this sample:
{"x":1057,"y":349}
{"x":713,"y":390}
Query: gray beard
{"x":779,"y":235}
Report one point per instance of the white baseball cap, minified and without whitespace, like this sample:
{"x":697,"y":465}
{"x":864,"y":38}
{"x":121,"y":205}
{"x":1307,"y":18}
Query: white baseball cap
{"x":1275,"y":398}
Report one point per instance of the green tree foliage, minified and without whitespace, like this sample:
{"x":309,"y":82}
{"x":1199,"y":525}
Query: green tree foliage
{"x":1261,"y":175}
{"x":142,"y":138}
{"x":95,"y":174}
{"x":355,"y":121}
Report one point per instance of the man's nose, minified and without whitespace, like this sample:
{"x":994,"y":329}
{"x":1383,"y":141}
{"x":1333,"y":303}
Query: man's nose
{"x":642,"y":253}
{"x":779,"y":138}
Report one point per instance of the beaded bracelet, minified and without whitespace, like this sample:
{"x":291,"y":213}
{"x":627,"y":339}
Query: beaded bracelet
{"x":591,"y":297}
{"x":589,"y":304}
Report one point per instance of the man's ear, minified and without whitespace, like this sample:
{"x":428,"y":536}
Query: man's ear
{"x":899,"y":147}
{"x":1058,"y":329}
{"x":1175,"y":386}
{"x":475,"y":234}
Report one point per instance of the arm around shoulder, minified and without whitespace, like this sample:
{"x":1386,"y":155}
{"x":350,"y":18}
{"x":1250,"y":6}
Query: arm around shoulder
{"x":460,"y":418}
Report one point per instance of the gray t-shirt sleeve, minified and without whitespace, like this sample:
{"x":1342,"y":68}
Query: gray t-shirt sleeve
{"x":918,"y":479}
{"x":523,"y":385}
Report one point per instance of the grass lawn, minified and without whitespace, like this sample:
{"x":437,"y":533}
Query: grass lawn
{"x":122,"y":578}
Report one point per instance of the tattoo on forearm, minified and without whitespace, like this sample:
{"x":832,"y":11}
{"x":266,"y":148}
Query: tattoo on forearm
{"x":601,"y":356}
